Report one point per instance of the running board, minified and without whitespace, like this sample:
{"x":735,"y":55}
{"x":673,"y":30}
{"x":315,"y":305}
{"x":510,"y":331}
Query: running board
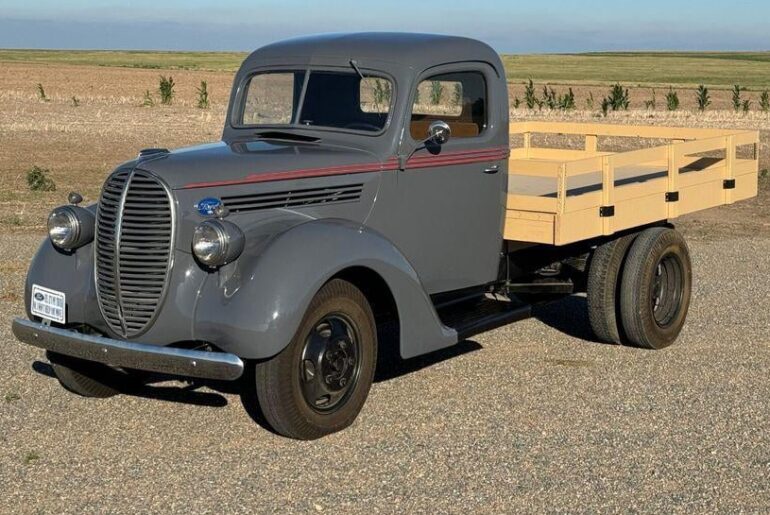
{"x":475,"y":317}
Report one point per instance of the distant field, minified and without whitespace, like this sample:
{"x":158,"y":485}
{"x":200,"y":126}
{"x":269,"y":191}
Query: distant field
{"x":750,"y":70}
{"x":216,"y":61}
{"x":719,"y":70}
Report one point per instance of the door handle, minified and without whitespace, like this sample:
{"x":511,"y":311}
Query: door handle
{"x":492,"y":169}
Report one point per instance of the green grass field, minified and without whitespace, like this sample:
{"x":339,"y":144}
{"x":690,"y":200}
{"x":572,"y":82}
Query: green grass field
{"x":217,"y":61}
{"x":717,"y":70}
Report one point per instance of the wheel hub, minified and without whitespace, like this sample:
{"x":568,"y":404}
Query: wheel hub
{"x":330,"y":363}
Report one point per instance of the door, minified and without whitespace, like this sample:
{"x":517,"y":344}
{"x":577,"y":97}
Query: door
{"x":451,"y":196}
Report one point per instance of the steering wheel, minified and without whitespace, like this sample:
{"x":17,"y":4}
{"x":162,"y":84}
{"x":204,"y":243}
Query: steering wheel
{"x":364,"y":126}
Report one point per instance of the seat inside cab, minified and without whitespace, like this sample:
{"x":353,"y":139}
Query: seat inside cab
{"x":459,"y":99}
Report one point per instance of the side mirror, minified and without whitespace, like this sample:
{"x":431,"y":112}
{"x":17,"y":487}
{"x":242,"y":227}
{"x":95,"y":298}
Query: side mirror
{"x":439,"y":132}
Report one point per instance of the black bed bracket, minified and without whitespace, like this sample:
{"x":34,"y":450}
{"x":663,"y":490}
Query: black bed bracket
{"x":729,"y":184}
{"x":672,"y":196}
{"x":606,"y":211}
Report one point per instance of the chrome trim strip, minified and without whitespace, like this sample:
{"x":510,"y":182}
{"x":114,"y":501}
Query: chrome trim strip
{"x":119,"y":353}
{"x":116,"y":262}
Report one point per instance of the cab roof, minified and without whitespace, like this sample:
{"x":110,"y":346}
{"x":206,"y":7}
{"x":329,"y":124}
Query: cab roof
{"x":416,"y":51}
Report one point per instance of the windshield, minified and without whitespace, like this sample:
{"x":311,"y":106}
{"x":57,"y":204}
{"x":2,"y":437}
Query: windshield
{"x":338,"y":100}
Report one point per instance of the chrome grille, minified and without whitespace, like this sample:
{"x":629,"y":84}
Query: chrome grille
{"x":134,"y":235}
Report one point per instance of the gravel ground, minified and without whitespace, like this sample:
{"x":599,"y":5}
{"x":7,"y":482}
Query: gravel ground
{"x":533,"y":417}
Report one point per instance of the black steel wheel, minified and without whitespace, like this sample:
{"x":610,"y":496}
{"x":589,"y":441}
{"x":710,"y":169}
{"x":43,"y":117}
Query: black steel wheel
{"x":605,"y":272}
{"x":318,"y":384}
{"x":656,"y":288}
{"x":330,"y":364}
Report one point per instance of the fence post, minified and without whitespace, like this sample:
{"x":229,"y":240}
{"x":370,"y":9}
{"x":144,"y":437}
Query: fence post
{"x":608,"y":193}
{"x":591,"y":143}
{"x":673,"y":179}
{"x":729,"y":173}
{"x":527,"y":143}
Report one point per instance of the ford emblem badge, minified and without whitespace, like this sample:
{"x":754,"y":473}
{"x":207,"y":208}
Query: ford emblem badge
{"x":208,"y":206}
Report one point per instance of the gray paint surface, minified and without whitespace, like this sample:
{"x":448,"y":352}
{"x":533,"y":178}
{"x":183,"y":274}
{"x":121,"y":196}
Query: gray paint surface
{"x":422,"y":230}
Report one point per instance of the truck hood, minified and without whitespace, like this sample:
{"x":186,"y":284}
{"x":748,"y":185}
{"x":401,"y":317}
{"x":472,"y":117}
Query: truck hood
{"x":244,"y":162}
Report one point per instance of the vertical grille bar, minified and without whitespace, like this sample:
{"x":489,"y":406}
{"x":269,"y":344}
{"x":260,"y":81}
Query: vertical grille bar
{"x":133,"y":251}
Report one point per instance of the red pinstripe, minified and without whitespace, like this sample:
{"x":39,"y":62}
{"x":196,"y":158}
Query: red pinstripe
{"x":443,"y":159}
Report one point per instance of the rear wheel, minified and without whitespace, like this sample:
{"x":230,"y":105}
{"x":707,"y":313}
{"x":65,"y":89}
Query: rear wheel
{"x":87,"y":378}
{"x":656,"y":288}
{"x":318,"y":384}
{"x":603,"y":288}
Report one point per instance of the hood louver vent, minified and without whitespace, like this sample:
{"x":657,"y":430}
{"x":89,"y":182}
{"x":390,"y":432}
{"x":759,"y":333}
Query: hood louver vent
{"x":293,"y":198}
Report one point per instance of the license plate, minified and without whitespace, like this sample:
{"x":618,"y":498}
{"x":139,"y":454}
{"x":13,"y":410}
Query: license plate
{"x":49,"y":304}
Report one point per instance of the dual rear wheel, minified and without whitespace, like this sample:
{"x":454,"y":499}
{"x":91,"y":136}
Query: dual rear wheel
{"x":639,"y":288}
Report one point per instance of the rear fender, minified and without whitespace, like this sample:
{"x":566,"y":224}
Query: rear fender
{"x":253,"y":307}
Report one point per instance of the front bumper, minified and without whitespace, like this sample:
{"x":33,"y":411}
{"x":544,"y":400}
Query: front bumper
{"x":119,"y":353}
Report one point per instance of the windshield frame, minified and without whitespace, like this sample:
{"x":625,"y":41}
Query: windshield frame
{"x":239,"y":104}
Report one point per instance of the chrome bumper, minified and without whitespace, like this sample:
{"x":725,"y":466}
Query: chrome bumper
{"x":119,"y":353}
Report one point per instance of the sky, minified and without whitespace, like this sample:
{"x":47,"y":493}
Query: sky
{"x":510,"y":27}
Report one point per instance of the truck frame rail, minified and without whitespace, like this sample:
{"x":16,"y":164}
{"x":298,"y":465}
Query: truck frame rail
{"x":559,"y":196}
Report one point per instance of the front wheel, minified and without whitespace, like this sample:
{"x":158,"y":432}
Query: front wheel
{"x":318,"y":384}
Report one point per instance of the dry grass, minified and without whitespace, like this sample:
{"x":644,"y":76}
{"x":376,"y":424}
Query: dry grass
{"x":81,"y":145}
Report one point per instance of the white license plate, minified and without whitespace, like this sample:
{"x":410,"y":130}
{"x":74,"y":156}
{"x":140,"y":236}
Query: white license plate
{"x":49,"y":304}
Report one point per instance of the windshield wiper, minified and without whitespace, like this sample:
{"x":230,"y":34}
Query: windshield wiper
{"x":288,"y":136}
{"x":354,"y":64}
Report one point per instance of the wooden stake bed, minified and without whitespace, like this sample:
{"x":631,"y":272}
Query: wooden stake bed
{"x":558,"y":196}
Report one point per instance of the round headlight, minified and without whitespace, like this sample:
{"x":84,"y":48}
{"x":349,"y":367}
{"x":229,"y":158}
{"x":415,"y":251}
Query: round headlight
{"x":217,"y":242}
{"x":64,"y":227}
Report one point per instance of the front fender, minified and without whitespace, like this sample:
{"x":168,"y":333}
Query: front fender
{"x":253,"y":307}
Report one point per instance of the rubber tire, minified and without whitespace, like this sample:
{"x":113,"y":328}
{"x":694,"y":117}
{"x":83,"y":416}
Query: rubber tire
{"x":277,"y":380}
{"x":86,"y":378}
{"x":636,"y":312}
{"x":603,"y":288}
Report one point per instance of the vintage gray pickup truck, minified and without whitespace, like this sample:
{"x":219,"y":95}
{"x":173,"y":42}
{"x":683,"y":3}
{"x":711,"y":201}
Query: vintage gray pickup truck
{"x":368,"y":197}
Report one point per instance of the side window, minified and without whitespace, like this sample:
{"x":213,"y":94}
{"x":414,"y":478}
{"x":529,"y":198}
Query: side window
{"x":459,"y":99}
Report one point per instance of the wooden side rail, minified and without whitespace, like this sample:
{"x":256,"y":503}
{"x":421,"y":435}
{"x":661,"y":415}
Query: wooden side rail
{"x":674,"y":179}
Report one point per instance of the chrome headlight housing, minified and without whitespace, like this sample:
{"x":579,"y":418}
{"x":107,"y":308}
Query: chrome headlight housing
{"x":217,"y":242}
{"x":70,"y":227}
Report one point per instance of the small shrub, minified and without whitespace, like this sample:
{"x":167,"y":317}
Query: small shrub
{"x":746,"y":106}
{"x":737,"y":102}
{"x":703,"y":97}
{"x":516,"y":102}
{"x":41,"y":93}
{"x":12,"y":397}
{"x":764,"y":174}
{"x":31,"y":457}
{"x":529,"y":95}
{"x":618,"y":99}
{"x":203,"y":95}
{"x":567,"y":101}
{"x":38,"y":179}
{"x":672,"y":100}
{"x":590,"y":102}
{"x":457,"y":94}
{"x":75,"y":102}
{"x":605,"y":107}
{"x":148,"y":101}
{"x":436,"y":92}
{"x":652,"y":103}
{"x":764,"y":101}
{"x":549,"y":98}
{"x":166,"y":89}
